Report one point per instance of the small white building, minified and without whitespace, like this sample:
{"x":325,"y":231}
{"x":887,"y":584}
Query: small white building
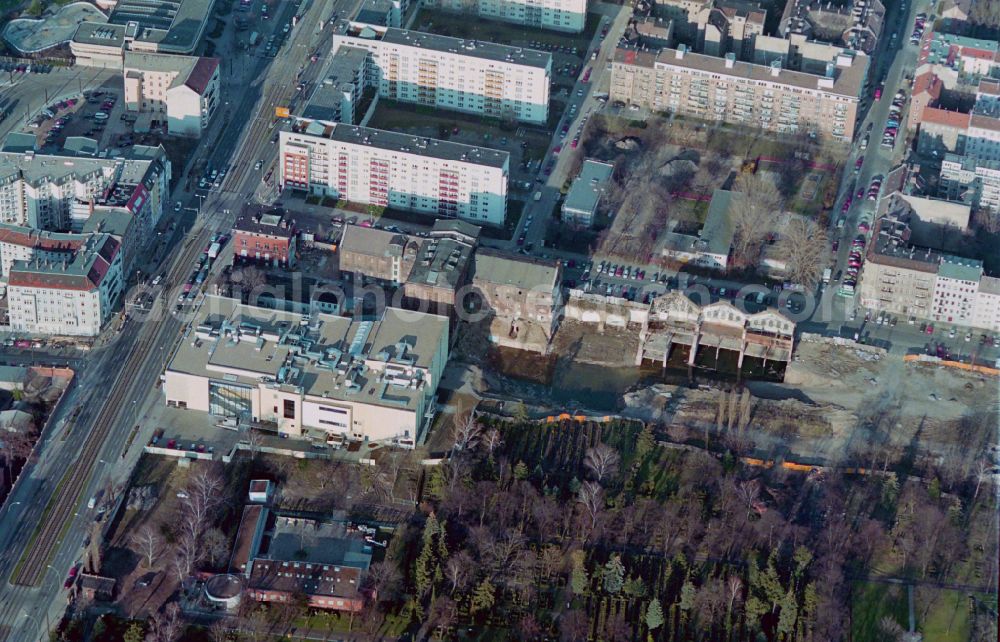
{"x":580,"y":206}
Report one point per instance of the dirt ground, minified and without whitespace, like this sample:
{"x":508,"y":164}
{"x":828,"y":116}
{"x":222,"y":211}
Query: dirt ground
{"x":581,"y":342}
{"x":837,"y":375}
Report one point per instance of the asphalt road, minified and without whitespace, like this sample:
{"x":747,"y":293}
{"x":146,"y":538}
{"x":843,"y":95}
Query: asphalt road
{"x":236,"y":138}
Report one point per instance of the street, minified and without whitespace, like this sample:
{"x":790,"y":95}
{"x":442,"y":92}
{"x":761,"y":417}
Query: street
{"x":118,"y":381}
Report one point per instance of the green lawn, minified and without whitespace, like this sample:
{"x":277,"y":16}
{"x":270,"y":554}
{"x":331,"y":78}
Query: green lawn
{"x":872,"y":601}
{"x":948,"y":618}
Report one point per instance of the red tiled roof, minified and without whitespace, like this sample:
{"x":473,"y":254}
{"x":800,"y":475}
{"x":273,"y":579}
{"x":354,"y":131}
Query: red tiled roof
{"x":982,"y":54}
{"x":32,"y":238}
{"x":928,"y":82}
{"x":935,"y":116}
{"x":985,"y":122}
{"x":988,"y":86}
{"x":201,"y":74}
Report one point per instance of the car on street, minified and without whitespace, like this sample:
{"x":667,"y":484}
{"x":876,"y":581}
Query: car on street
{"x":72,"y":576}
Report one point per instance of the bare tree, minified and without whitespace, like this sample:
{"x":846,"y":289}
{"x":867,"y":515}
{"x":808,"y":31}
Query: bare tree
{"x":254,"y":440}
{"x":457,"y":570}
{"x":734,"y":586}
{"x":148,"y":543}
{"x":601,"y":460}
{"x":187,"y":554}
{"x":166,"y":625}
{"x":466,"y":431}
{"x":591,"y":499}
{"x":199,"y":500}
{"x":216,"y":546}
{"x":748,"y":492}
{"x":491,"y":441}
{"x":755,"y":208}
{"x":803,"y":245}
{"x":219,"y":632}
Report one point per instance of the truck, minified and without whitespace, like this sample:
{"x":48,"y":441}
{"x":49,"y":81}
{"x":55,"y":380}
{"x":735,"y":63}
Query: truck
{"x":253,"y":38}
{"x":213,"y":250}
{"x":827,"y":273}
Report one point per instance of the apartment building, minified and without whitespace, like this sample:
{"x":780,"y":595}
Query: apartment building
{"x":388,"y":169}
{"x":897,"y":277}
{"x":580,"y":206}
{"x":19,"y":243}
{"x":959,"y":59}
{"x":986,"y":310}
{"x":338,"y":97}
{"x":265,"y":236}
{"x":901,"y":278}
{"x":74,"y":296}
{"x":926,"y":92}
{"x":59,"y":192}
{"x":523,"y":295}
{"x":955,"y":289}
{"x":469,"y":76}
{"x":322,"y":377}
{"x":971,"y":180}
{"x":725,"y":89}
{"x":557,"y":15}
{"x":942,"y":131}
{"x":184,"y":90}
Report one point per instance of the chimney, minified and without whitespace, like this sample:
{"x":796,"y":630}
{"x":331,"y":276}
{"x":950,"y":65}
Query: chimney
{"x":775,"y":68}
{"x":730,"y":60}
{"x":681,"y":50}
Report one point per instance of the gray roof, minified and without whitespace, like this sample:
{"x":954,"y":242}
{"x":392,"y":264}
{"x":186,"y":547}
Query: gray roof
{"x":435,"y":42}
{"x":960,"y":269}
{"x":847,"y":80}
{"x":100,"y":33}
{"x":328,"y":354}
{"x":174,"y":25}
{"x":59,"y":167}
{"x":394,"y":141}
{"x":373,"y":242}
{"x":19,"y":142}
{"x":989,"y":285}
{"x":115,"y":221}
{"x":587,"y":187}
{"x":81,"y":145}
{"x":343,"y":68}
{"x":491,"y":266}
{"x":441,"y":262}
{"x":718,"y":231}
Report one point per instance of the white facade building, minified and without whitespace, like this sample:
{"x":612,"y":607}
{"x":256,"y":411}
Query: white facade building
{"x":388,"y":169}
{"x":449,"y":73}
{"x":19,"y":243}
{"x":324,"y":377}
{"x":183,"y":90}
{"x":971,"y":179}
{"x":70,"y":297}
{"x":55,"y":192}
{"x":557,"y":15}
{"x":986,"y":311}
{"x":955,"y":290}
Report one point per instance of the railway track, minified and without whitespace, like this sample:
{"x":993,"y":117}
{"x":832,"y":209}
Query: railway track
{"x":34,"y":561}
